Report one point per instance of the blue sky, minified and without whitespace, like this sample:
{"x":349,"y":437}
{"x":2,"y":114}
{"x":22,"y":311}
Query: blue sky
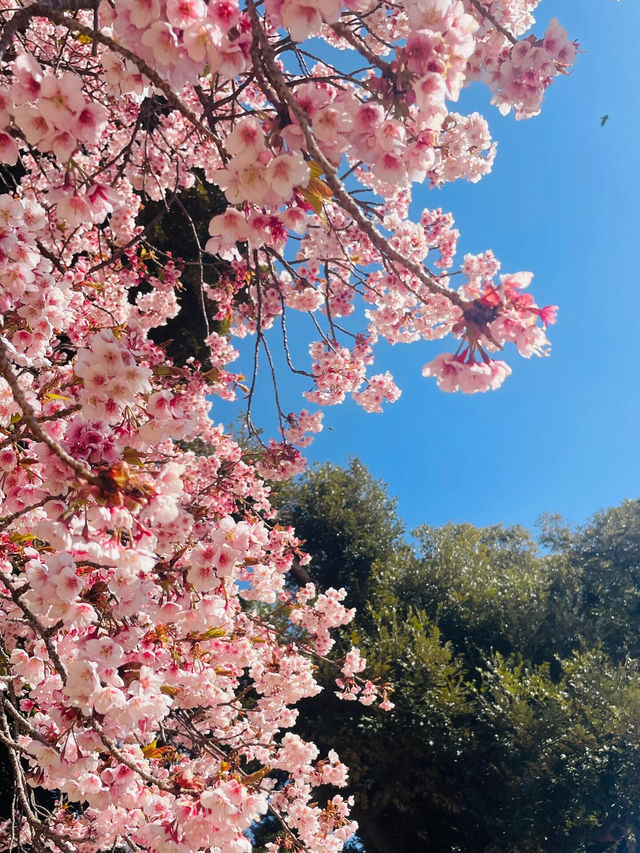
{"x":563,"y":201}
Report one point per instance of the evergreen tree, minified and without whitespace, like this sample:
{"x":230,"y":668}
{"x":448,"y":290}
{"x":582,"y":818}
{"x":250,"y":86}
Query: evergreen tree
{"x":517,"y":695}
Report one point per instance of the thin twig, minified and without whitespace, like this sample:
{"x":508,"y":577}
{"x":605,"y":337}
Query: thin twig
{"x":196,"y":240}
{"x":343,"y":31}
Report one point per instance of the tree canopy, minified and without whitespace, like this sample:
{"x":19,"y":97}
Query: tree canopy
{"x":175,"y":175}
{"x":517,"y":717}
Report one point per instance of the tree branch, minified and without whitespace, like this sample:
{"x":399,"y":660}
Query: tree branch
{"x":490,"y":17}
{"x":172,"y":99}
{"x":31,"y":420}
{"x":20,"y":21}
{"x":333,"y":181}
{"x":113,"y":749}
{"x":37,"y":627}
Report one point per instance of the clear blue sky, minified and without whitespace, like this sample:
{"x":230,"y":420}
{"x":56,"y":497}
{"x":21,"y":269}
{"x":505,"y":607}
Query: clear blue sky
{"x":563,"y":200}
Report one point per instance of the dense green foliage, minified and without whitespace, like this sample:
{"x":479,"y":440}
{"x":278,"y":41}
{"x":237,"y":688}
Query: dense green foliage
{"x":188,"y":214}
{"x":517,"y":690}
{"x":346,"y":521}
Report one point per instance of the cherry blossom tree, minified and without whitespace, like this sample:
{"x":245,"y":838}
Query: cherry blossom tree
{"x":152,"y":655}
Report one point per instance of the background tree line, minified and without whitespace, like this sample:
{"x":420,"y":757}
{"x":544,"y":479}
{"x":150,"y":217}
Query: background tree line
{"x":515,"y":665}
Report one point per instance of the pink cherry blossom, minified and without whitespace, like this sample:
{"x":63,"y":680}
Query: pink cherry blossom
{"x":144,"y":582}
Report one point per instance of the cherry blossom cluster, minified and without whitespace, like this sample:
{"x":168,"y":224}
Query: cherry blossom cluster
{"x":519,"y":72}
{"x":153,"y":648}
{"x":510,"y":316}
{"x":50,"y":110}
{"x":178,"y":37}
{"x":301,"y":424}
{"x":135,"y":627}
{"x":254,"y":174}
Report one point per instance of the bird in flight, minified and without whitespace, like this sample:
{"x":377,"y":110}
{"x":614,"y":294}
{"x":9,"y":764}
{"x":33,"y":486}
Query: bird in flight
{"x":604,"y":120}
